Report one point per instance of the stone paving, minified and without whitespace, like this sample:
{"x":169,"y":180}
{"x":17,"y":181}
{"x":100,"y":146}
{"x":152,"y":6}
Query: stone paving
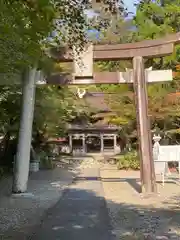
{"x":135,"y":217}
{"x":80,"y":214}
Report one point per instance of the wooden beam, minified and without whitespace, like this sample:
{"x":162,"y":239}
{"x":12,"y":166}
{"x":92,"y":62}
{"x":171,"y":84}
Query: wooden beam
{"x":171,"y":38}
{"x":129,"y":53}
{"x":124,"y":53}
{"x":115,"y":52}
{"x":111,"y":78}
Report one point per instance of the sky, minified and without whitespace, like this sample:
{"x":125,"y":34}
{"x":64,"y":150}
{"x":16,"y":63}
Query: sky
{"x":130,"y":5}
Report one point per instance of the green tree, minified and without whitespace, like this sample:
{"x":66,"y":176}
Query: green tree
{"x":155,"y":19}
{"x":29,"y":28}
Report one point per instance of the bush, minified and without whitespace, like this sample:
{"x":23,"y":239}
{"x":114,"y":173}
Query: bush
{"x":128,"y":161}
{"x":4,"y":170}
{"x":1,"y":172}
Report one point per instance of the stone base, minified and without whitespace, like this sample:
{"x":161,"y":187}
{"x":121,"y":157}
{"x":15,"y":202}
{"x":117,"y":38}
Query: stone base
{"x":25,"y":195}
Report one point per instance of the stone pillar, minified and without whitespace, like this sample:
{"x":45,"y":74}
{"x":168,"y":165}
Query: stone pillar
{"x":102,"y":143}
{"x":84,"y":143}
{"x":70,"y":143}
{"x":83,"y":64}
{"x":115,"y":142}
{"x":21,"y":165}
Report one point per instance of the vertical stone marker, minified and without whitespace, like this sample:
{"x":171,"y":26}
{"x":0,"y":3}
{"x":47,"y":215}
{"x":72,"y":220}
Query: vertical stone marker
{"x":21,"y":165}
{"x":83,"y":65}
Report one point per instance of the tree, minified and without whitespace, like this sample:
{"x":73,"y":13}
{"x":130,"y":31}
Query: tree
{"x":155,"y":19}
{"x":28,"y":28}
{"x":54,"y":107}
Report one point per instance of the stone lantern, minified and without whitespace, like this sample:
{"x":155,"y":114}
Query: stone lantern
{"x":156,"y":139}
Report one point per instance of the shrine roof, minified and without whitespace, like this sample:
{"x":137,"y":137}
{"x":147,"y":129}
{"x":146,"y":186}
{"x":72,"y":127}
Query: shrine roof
{"x":97,"y":101}
{"x":92,"y":128}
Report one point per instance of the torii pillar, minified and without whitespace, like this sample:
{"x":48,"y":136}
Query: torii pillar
{"x":148,"y":179}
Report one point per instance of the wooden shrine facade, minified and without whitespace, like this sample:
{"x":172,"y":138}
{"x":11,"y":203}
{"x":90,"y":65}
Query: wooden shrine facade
{"x":89,"y":139}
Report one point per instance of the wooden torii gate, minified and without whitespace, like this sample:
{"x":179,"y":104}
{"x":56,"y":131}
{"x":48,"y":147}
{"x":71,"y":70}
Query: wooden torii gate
{"x":83,"y":74}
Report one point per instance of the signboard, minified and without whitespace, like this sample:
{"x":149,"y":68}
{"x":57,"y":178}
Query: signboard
{"x":169,"y":153}
{"x":151,"y":76}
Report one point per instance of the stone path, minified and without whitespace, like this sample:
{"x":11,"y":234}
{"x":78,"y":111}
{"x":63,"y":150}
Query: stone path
{"x":80,"y":214}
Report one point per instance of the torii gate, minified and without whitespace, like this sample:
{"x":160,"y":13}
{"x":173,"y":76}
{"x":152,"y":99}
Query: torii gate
{"x":83,"y":74}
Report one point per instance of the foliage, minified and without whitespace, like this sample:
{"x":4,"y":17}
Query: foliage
{"x":54,"y":107}
{"x":29,"y":28}
{"x":155,"y":19}
{"x":129,"y":160}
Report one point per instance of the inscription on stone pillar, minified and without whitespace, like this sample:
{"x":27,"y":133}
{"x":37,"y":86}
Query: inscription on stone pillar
{"x":83,"y":63}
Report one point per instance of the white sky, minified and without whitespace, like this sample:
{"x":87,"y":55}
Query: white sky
{"x":128,"y":3}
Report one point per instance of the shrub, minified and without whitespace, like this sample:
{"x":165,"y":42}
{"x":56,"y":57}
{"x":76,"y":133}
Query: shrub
{"x":1,"y":171}
{"x":4,"y":170}
{"x":129,"y":160}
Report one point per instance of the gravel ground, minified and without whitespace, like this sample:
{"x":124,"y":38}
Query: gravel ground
{"x":135,"y":217}
{"x":19,"y":214}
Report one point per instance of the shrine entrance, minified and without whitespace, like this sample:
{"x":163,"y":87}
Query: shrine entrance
{"x":93,"y":144}
{"x":84,"y":141}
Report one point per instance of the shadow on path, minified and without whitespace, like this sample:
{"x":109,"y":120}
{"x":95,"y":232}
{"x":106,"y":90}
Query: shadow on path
{"x":133,"y":182}
{"x":82,"y":215}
